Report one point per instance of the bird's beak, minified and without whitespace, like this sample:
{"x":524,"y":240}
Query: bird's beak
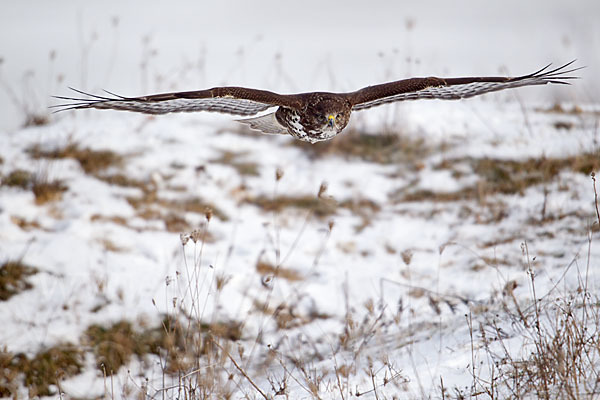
{"x":331,"y":120}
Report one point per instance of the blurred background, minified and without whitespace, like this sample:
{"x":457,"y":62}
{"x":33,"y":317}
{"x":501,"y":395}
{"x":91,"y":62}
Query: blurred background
{"x":140,"y":47}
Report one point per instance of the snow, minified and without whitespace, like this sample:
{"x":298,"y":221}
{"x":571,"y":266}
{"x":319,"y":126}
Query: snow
{"x":450,"y":243}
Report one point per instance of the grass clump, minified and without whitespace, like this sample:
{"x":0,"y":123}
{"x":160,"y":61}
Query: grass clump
{"x":510,"y":176}
{"x":387,"y":148}
{"x":40,"y":374}
{"x":320,"y":206}
{"x":50,"y":366}
{"x":35,"y":119}
{"x":182,"y":343}
{"x":18,"y":178}
{"x":244,"y":168}
{"x":503,"y":176}
{"x":13,"y":278}
{"x":44,"y":189}
{"x":113,"y":346}
{"x":194,"y":205}
{"x":9,"y":374}
{"x":266,"y":268}
{"x":558,"y":108}
{"x":150,"y":206}
{"x":91,"y":161}
{"x":125,"y":181}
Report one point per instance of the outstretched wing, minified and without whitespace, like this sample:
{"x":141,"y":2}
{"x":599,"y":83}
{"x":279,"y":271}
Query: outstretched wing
{"x":452,"y":88}
{"x":229,"y":100}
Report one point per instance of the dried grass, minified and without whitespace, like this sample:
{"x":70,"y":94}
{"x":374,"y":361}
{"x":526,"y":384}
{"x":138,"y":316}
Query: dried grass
{"x":13,"y":278}
{"x":243,"y":168}
{"x":42,"y":373}
{"x":44,"y":189}
{"x":560,"y":353}
{"x":91,"y":161}
{"x":381,"y":148}
{"x":507,"y":177}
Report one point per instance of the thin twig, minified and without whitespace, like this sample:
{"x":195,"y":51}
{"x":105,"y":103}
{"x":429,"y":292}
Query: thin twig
{"x":470,"y":324}
{"x":596,"y":197}
{"x":287,"y":371}
{"x":240,"y":369}
{"x":337,"y":373}
{"x":539,"y":342}
{"x":373,"y":382}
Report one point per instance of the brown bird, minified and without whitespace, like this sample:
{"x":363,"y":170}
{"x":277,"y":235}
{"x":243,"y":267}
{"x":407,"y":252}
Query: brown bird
{"x":313,"y":116}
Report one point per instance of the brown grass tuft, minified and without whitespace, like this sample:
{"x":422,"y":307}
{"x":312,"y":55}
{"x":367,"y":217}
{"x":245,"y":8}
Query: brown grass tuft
{"x":114,"y":219}
{"x":378,"y":148}
{"x":286,"y":314}
{"x":110,"y":245}
{"x":150,"y":206}
{"x":18,"y":178}
{"x":35,"y":119}
{"x":46,"y":190}
{"x":231,"y":158}
{"x":179,"y":343}
{"x":48,"y":367}
{"x":125,"y":181}
{"x":92,"y":161}
{"x":24,"y":224}
{"x":504,"y":176}
{"x":113,"y":346}
{"x":9,"y":374}
{"x":13,"y":278}
{"x":363,"y":208}
{"x":265,"y":268}
{"x":321,"y":207}
{"x":558,"y":108}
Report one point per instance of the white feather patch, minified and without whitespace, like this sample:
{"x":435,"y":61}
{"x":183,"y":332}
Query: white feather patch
{"x":265,"y":123}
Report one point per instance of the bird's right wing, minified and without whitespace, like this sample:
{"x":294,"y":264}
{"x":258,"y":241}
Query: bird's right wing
{"x":229,"y":100}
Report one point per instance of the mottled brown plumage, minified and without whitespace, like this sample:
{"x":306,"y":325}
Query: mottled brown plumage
{"x":313,"y":116}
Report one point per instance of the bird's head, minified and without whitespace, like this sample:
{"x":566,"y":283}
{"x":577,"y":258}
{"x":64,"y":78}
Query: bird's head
{"x":331,"y":114}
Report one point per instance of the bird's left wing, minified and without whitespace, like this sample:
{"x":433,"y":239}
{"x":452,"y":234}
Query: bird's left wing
{"x":452,"y":88}
{"x":229,"y":100}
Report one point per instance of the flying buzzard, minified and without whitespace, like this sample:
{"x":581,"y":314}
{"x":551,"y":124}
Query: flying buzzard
{"x":314,"y":116}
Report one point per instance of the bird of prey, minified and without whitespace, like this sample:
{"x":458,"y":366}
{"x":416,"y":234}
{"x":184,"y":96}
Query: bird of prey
{"x":313,"y":116}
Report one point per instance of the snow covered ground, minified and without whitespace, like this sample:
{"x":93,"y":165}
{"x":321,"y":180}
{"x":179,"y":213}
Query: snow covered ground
{"x":382,"y":267}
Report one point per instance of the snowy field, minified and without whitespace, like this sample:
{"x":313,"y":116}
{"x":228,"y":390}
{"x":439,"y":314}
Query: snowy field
{"x":414,"y":256}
